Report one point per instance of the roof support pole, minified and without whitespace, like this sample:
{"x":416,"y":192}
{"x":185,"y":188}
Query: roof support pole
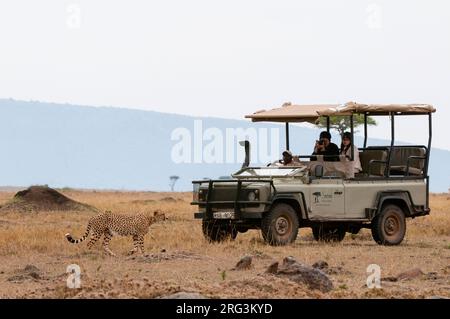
{"x":365,"y":130}
{"x":388,"y":163}
{"x":351,"y":132}
{"x":425,"y":172}
{"x":328,"y":124}
{"x":430,"y":134}
{"x":287,"y":135}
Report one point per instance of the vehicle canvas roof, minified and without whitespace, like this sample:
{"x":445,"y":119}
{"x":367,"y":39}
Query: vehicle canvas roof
{"x":291,"y":113}
{"x":310,"y":113}
{"x":377,"y":109}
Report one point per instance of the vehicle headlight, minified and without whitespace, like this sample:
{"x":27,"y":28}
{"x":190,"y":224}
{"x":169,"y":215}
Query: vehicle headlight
{"x":195,"y":192}
{"x":201,"y":194}
{"x":252,"y":195}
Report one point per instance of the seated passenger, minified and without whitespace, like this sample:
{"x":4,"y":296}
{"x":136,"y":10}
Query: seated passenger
{"x":325,"y":147}
{"x":288,"y":160}
{"x":346,"y":150}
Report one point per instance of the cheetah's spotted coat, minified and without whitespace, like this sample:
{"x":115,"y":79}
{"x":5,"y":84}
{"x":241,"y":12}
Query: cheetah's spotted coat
{"x":110,"y":224}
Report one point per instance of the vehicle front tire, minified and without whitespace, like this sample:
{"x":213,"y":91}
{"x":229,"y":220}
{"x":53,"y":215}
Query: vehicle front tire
{"x":279,"y":226}
{"x":218,"y":232}
{"x":389,"y":226}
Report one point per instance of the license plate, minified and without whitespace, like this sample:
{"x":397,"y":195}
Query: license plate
{"x":223,"y":215}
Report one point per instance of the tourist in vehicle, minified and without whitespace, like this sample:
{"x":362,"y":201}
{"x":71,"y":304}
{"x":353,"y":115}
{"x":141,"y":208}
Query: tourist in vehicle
{"x":346,"y":150}
{"x":288,"y":160}
{"x":325,"y":147}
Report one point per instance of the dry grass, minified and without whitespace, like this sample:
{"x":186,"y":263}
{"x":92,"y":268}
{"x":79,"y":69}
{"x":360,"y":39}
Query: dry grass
{"x":195,"y":265}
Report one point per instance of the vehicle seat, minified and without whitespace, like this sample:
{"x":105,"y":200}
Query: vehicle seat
{"x":399,"y":160}
{"x":374,"y":169}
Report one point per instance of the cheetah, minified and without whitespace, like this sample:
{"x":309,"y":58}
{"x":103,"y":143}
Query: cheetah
{"x":110,"y":224}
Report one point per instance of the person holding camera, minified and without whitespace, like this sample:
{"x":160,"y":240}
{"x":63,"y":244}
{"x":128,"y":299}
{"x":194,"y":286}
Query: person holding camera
{"x":325,"y":147}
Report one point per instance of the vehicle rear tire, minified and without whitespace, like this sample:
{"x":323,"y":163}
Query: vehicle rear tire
{"x":218,"y":232}
{"x":389,"y":226}
{"x":327,"y":233}
{"x":279,"y":226}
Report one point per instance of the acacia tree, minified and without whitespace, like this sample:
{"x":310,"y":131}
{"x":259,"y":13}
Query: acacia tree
{"x":173,"y":180}
{"x":342,"y":123}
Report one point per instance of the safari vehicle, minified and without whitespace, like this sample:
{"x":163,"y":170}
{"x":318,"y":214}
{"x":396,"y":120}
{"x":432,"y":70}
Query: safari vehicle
{"x":323,"y":195}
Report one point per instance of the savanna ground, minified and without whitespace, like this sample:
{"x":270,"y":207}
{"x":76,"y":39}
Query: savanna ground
{"x":179,"y":259}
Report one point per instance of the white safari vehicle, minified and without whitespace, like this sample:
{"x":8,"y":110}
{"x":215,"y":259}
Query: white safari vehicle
{"x":326,"y":196}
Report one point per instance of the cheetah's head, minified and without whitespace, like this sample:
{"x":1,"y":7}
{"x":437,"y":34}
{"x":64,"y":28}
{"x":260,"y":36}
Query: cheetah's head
{"x":158,"y":216}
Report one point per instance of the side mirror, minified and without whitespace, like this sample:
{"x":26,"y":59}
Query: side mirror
{"x":318,"y":171}
{"x":246,"y":145}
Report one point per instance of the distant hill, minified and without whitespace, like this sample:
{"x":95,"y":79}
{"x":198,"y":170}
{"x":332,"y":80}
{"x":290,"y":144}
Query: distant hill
{"x":66,"y":145}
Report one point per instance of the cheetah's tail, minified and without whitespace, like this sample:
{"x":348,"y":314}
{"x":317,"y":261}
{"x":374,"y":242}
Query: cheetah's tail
{"x":76,"y":241}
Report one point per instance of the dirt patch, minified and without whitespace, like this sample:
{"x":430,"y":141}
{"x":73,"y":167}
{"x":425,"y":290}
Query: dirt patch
{"x":323,"y":266}
{"x":165,"y":256}
{"x":116,"y":289}
{"x":262,"y":286}
{"x":411,"y":274}
{"x":170,"y":199}
{"x":142,"y":201}
{"x":185,"y":295}
{"x":42,"y":198}
{"x":30,"y":272}
{"x":5,"y":223}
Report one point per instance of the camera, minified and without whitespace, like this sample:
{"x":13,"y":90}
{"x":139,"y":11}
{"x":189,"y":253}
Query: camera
{"x":320,"y":142}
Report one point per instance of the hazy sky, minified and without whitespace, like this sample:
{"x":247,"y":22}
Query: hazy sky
{"x":230,"y":58}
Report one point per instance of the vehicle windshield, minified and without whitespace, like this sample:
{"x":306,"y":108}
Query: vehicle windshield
{"x":269,"y":171}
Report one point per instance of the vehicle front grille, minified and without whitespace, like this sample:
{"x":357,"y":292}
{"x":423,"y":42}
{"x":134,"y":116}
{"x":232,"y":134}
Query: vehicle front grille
{"x":225,"y":193}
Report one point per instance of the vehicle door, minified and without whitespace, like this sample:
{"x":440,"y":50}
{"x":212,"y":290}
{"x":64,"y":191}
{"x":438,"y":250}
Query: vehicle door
{"x":327,"y":198}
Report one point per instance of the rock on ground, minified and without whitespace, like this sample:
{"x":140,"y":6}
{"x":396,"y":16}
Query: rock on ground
{"x":312,"y":277}
{"x":406,"y":275}
{"x":29,"y":272}
{"x":323,"y":265}
{"x":244,"y":263}
{"x":410,"y":274}
{"x":273,"y":268}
